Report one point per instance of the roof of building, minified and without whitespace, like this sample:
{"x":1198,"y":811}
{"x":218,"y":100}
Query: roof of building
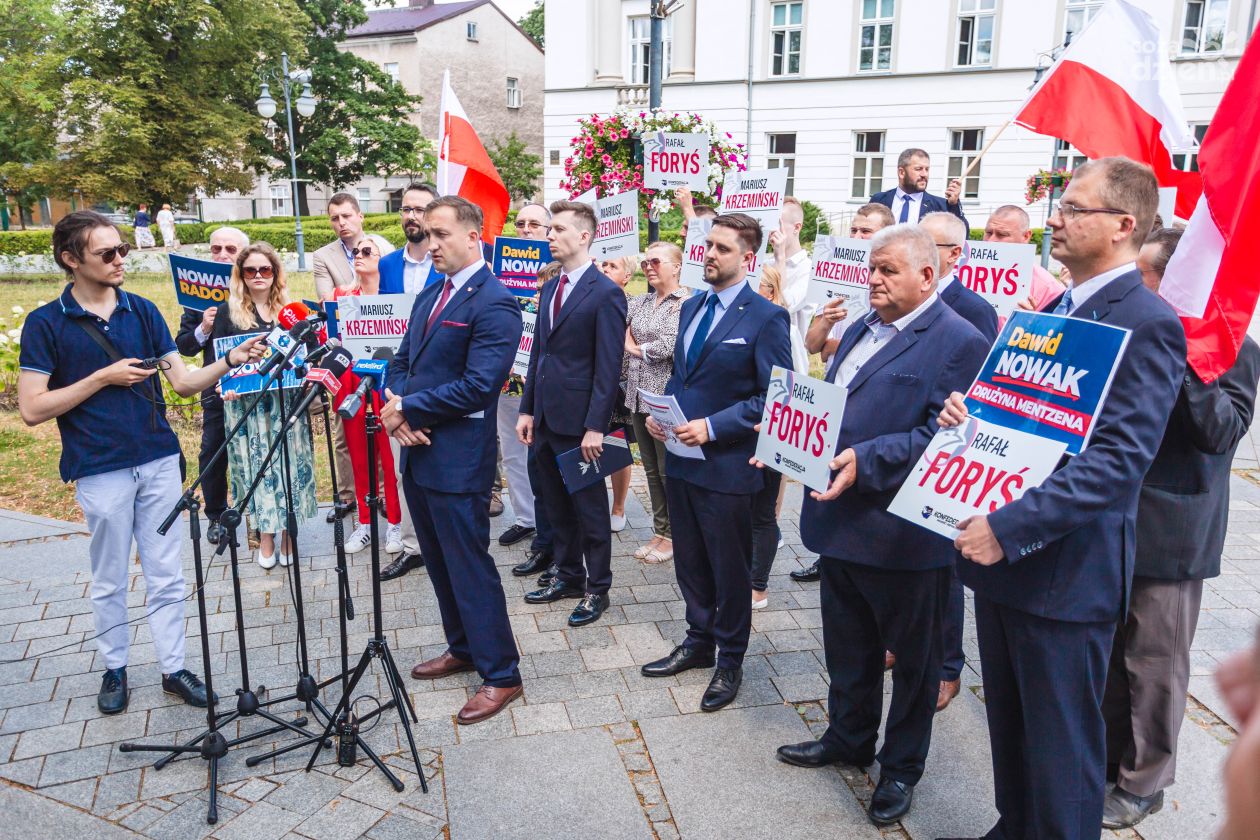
{"x":408,"y":19}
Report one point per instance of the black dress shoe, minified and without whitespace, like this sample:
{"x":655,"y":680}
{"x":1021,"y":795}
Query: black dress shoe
{"x":890,"y":802}
{"x":515,"y":534}
{"x":588,"y":610}
{"x":815,"y":754}
{"x":215,"y":532}
{"x":114,"y":695}
{"x":405,"y":563}
{"x":681,"y":658}
{"x":548,"y":577}
{"x":536,"y":562}
{"x":722,"y":688}
{"x":339,"y":510}
{"x":555,"y":591}
{"x":807,"y":574}
{"x":1122,"y":809}
{"x":185,"y":685}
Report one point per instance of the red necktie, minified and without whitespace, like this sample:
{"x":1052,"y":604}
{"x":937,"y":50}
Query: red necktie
{"x":559,"y":298}
{"x":437,"y":309}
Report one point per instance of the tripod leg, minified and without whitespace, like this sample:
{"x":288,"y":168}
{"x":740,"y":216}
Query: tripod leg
{"x":344,"y":703}
{"x":380,"y":765}
{"x":212,"y":814}
{"x":400,"y":696}
{"x":191,"y":746}
{"x":395,"y":677}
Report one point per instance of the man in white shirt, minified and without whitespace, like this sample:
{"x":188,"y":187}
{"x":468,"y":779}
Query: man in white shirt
{"x":794,"y":264}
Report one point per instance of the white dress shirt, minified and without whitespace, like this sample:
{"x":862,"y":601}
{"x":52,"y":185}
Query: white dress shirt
{"x":574,"y":277}
{"x":457,"y":281}
{"x":415,"y":272}
{"x":943,"y":283}
{"x":875,"y":339}
{"x":916,"y":203}
{"x":794,"y":288}
{"x":725,"y":299}
{"x":1082,"y":292}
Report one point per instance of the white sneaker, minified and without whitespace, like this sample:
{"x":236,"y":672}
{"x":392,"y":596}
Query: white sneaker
{"x":618,"y":523}
{"x":267,"y":561}
{"x":762,"y":604}
{"x":393,"y":539}
{"x":359,"y":540}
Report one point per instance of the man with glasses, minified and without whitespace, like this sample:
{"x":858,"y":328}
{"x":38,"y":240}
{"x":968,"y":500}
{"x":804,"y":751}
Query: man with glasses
{"x":193,"y":338}
{"x":1053,"y":570}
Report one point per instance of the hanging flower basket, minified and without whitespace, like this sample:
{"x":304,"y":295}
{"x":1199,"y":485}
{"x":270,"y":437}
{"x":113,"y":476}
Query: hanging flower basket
{"x":603,"y":155}
{"x":1042,"y":181}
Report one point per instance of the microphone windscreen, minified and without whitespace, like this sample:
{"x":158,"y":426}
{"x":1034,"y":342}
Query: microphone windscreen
{"x":291,"y":313}
{"x":338,"y":361}
{"x":384,"y":353}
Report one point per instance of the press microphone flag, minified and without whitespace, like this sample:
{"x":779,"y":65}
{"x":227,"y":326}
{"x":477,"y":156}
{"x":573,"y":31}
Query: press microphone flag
{"x":328,"y":375}
{"x":372,"y":373}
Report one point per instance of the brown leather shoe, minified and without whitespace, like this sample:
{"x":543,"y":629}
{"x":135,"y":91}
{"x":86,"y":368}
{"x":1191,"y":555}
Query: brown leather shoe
{"x":440,"y":666}
{"x":487,"y":702}
{"x":890,"y":659}
{"x":949,"y":690}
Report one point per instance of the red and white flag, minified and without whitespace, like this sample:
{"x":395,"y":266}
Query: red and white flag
{"x":1112,"y":92}
{"x":464,"y":168}
{"x":1211,"y":279}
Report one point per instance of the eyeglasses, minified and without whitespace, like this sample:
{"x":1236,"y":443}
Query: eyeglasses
{"x":263,"y":271}
{"x":947,"y":244}
{"x":1071,"y":211}
{"x":230,"y":250}
{"x":110,"y":254}
{"x":366,"y":251}
{"x":532,"y":226}
{"x":411,"y":211}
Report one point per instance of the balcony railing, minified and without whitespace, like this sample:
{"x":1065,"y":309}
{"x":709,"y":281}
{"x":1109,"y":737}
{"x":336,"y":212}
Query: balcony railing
{"x":632,"y":96}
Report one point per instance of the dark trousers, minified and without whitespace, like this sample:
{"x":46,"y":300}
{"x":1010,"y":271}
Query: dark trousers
{"x":765,"y":530}
{"x":952,"y":630}
{"x":453,"y":530}
{"x":213,"y":433}
{"x":1043,"y":691}
{"x":712,"y":561}
{"x":543,"y":539}
{"x":580,"y":524}
{"x":865,"y":611}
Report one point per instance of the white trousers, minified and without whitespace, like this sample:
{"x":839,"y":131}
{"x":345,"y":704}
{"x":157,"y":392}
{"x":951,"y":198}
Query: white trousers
{"x":409,"y":542}
{"x":121,"y":507}
{"x":515,"y":461}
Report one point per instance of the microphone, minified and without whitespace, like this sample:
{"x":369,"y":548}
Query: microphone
{"x":285,"y":347}
{"x":291,"y":314}
{"x":328,"y":374}
{"x":373,"y":378}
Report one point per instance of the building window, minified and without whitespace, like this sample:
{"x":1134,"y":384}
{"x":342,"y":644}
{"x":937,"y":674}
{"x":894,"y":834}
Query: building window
{"x":1189,"y":161}
{"x":472,"y":30}
{"x":868,"y":163}
{"x":975,"y":32}
{"x":1069,"y":157}
{"x":513,"y":92}
{"x":875,"y":49}
{"x":391,"y":69}
{"x":964,"y":145}
{"x":1204,"y":29}
{"x":555,"y":157}
{"x":785,"y":38}
{"x":1079,"y":13}
{"x":280,"y":200}
{"x":783,"y":155}
{"x":641,"y":49}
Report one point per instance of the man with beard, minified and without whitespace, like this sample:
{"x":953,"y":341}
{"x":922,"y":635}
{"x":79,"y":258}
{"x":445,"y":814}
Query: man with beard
{"x":910,"y":200}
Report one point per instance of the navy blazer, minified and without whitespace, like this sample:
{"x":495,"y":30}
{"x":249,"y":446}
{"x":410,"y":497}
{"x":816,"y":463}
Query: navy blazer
{"x":575,"y":364}
{"x":728,"y":386}
{"x":929,"y":204}
{"x":1069,"y":544}
{"x":392,"y":267}
{"x":889,"y":418}
{"x":450,"y":381}
{"x":975,"y":310}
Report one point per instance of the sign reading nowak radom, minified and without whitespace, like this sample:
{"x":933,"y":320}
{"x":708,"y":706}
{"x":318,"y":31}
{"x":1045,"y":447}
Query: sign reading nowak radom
{"x":200,"y":284}
{"x":517,"y":263}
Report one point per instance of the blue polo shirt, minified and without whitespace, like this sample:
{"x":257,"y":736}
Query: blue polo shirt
{"x":116,"y":427}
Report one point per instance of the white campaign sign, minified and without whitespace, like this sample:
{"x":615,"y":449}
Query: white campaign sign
{"x":841,"y":270}
{"x":972,"y":470}
{"x":692,"y":274}
{"x":759,"y":194}
{"x":520,"y":365}
{"x":673,"y":160}
{"x":617,"y":233}
{"x":800,"y":425}
{"x":368,"y":322}
{"x":1000,"y":272}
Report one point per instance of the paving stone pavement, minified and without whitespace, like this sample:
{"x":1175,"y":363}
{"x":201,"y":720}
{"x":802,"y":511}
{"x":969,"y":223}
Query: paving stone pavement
{"x":593,"y":749}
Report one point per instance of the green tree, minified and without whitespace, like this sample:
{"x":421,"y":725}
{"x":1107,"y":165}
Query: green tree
{"x":361,"y":125}
{"x":159,"y":94}
{"x":519,"y":169}
{"x":532,"y":22}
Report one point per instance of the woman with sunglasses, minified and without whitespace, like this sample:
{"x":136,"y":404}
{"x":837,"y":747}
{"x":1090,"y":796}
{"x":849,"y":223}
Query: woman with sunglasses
{"x":256,"y":294}
{"x":620,"y":270}
{"x":651,"y":331}
{"x":367,"y":281}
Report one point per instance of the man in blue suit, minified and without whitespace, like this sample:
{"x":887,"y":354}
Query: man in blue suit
{"x":885,"y":581}
{"x":1052,"y":571}
{"x":910,"y":201}
{"x":410,"y":269}
{"x":574,"y":370}
{"x":448,"y":372}
{"x":729,"y":339}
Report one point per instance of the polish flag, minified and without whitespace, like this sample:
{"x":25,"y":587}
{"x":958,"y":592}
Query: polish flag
{"x":1112,"y":92}
{"x":464,"y":168}
{"x":1211,"y":279}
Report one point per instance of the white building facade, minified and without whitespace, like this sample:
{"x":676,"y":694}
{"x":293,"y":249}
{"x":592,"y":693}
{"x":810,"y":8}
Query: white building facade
{"x":835,"y":89}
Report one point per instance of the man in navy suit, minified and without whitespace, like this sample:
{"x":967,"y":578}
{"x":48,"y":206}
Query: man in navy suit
{"x":574,"y":370}
{"x":910,"y":201}
{"x":885,"y":581}
{"x":729,"y":339}
{"x":951,"y":235}
{"x":448,"y":372}
{"x":1052,"y":571}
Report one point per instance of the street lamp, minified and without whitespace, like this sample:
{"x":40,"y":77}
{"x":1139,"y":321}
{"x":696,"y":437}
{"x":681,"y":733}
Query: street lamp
{"x":266,"y":107}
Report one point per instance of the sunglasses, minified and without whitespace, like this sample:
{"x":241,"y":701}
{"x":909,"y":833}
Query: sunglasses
{"x":263,"y":271}
{"x":532,"y":226}
{"x":224,"y":249}
{"x":654,"y":262}
{"x":366,"y":251}
{"x":110,"y":254}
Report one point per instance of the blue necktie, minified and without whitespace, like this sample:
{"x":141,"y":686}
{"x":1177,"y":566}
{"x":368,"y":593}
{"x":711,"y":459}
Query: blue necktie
{"x":1065,"y":305}
{"x":702,"y":332}
{"x":905,"y":210}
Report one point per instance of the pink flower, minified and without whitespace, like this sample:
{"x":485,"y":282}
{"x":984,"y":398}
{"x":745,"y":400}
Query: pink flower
{"x":607,"y":160}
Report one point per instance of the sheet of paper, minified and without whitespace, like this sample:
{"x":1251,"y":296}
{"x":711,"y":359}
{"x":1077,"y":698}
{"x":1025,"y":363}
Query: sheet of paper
{"x":668,"y":414}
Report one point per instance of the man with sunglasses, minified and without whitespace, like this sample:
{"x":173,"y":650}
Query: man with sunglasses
{"x":194,"y":338}
{"x":87,"y":360}
{"x":1053,"y":570}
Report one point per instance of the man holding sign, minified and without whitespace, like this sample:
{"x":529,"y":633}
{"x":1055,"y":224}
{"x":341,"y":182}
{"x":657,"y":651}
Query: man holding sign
{"x":884,"y":580}
{"x":729,"y":341}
